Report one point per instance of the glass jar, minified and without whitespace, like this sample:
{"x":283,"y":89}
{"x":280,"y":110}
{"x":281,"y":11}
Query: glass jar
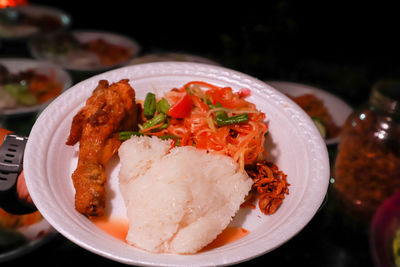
{"x":367,"y":166}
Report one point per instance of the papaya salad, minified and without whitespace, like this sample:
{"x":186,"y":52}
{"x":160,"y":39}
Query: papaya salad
{"x":218,"y":120}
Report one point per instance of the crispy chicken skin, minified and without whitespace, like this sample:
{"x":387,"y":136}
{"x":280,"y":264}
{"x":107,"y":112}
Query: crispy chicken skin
{"x":110,"y":109}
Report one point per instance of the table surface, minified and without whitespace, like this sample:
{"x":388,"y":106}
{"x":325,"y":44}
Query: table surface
{"x":328,"y":48}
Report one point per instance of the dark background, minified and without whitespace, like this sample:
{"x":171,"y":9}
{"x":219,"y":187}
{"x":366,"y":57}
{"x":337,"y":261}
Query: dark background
{"x":342,"y":47}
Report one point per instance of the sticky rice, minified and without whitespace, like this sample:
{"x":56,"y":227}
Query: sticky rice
{"x":177,"y":200}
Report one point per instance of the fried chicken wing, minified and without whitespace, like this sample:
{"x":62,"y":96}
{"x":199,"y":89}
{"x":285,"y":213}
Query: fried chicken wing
{"x":109,"y":110}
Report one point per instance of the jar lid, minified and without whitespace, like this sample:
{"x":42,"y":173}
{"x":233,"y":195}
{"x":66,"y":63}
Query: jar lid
{"x":386,"y":95}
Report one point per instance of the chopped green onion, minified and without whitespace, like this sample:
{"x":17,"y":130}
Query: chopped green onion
{"x":218,"y":105}
{"x":165,"y":125}
{"x":127,"y":134}
{"x":219,"y":113}
{"x":149,"y":107}
{"x":207,"y":101}
{"x":168,"y":136}
{"x":178,"y":142}
{"x":159,"y":118}
{"x":190,"y":92}
{"x":223,"y":120}
{"x":163,"y":106}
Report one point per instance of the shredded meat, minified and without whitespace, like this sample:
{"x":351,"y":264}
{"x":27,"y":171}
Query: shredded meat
{"x":110,"y":109}
{"x":269,"y":183}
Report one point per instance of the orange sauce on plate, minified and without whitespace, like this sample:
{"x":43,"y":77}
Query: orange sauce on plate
{"x":228,"y":235}
{"x":118,"y":228}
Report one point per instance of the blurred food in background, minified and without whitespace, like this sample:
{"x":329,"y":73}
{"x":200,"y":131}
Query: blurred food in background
{"x":26,"y":88}
{"x":319,"y":113}
{"x":85,"y":50}
{"x":327,"y":111}
{"x":28,"y":20}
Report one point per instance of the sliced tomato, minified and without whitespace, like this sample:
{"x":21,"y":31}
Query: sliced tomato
{"x":227,"y":98}
{"x":244,"y":92}
{"x":182,"y":107}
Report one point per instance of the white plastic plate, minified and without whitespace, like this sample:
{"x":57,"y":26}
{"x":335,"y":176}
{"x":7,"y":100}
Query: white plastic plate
{"x":294,"y":144}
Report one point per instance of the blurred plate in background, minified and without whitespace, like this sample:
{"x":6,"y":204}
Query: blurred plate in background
{"x":21,"y":22}
{"x":47,"y":74}
{"x":85,"y":51}
{"x":336,"y":107}
{"x":27,"y":233}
